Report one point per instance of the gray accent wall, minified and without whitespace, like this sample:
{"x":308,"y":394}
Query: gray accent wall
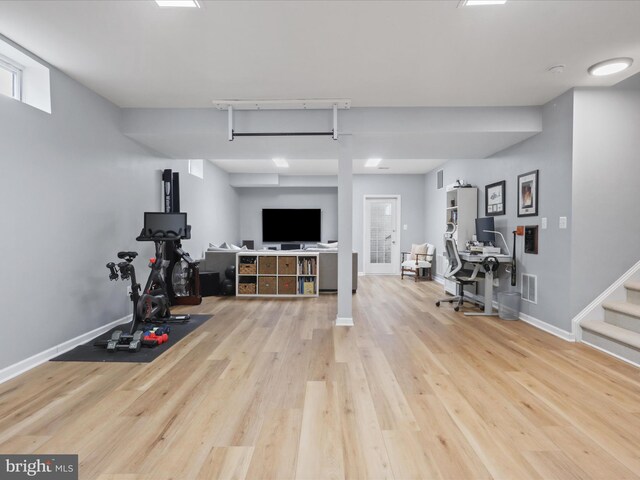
{"x":412,"y":201}
{"x":74,"y":189}
{"x":550,"y":152}
{"x":606,"y":175}
{"x":253,"y":200}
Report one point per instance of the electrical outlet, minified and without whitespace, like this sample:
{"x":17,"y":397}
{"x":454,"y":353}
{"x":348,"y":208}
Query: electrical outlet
{"x":563,"y":222}
{"x":128,"y":289}
{"x":496,"y":282}
{"x":404,"y":227}
{"x":544,"y":223}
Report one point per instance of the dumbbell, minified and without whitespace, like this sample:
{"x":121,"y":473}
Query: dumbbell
{"x":131,"y":343}
{"x":159,"y":339}
{"x":161,"y":330}
{"x":121,"y":341}
{"x":114,"y":341}
{"x":113,"y":272}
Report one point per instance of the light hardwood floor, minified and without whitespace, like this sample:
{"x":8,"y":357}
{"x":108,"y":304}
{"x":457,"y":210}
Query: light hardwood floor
{"x":270,"y":389}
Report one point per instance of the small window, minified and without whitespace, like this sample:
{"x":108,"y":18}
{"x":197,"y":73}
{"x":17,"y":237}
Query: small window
{"x":10,"y":79}
{"x":196,"y":168}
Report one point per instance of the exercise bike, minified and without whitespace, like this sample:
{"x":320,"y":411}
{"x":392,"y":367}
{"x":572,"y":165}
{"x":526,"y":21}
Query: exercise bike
{"x":151,"y":305}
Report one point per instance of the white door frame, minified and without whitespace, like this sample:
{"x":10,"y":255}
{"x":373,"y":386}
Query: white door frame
{"x":366,"y":246}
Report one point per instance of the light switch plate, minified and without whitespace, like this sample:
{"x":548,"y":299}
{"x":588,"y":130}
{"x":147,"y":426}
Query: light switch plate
{"x":404,"y":227}
{"x":496,"y":282}
{"x":563,"y":222}
{"x":544,"y":223}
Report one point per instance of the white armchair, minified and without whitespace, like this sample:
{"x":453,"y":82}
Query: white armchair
{"x":418,"y":261}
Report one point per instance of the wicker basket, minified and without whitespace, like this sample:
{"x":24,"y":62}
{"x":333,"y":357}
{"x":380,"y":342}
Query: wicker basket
{"x":248,"y":269}
{"x":247,"y":288}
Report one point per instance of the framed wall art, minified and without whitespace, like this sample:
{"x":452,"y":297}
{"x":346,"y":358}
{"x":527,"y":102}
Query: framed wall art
{"x":494,"y":199}
{"x":528,"y":194}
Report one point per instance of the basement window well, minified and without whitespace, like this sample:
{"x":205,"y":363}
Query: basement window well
{"x":23,"y":78}
{"x":10,"y":78}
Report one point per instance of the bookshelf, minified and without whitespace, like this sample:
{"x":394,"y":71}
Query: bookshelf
{"x":277,"y":274}
{"x":462,"y":211}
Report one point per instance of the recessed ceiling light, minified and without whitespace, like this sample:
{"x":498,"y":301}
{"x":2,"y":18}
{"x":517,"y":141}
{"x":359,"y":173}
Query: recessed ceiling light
{"x":609,"y":67}
{"x":372,"y":162}
{"x":281,"y":162}
{"x":479,"y":3}
{"x":178,"y":3}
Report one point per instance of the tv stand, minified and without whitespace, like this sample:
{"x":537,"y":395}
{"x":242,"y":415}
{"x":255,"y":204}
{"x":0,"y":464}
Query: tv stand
{"x":277,"y":274}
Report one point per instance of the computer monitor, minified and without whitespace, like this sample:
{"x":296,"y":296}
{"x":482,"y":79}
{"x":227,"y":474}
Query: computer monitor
{"x":482,"y":224}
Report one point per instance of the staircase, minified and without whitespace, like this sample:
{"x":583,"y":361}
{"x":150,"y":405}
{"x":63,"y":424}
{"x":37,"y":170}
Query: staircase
{"x":618,"y":330}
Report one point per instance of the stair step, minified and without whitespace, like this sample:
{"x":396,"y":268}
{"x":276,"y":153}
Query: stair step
{"x":616,"y":340}
{"x":626,"y":308}
{"x":633,"y":291}
{"x":632,"y":285}
{"x":622,"y":314}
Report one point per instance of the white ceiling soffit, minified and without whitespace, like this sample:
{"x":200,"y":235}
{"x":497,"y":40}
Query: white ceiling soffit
{"x":420,"y":137}
{"x":327,"y":166}
{"x":377,"y":53}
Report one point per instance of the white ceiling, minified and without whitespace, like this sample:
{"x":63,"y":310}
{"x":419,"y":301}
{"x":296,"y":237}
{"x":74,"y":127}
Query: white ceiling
{"x":377,"y":53}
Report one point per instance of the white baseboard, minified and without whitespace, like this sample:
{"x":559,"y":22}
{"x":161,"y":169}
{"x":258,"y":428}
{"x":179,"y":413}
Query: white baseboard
{"x":344,"y":321}
{"x":547,"y":327}
{"x":361,"y":274}
{"x":22,"y":366}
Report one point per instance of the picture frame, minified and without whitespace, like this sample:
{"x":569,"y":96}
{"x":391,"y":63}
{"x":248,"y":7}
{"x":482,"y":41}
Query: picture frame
{"x":494,"y":199}
{"x":528,"y":194}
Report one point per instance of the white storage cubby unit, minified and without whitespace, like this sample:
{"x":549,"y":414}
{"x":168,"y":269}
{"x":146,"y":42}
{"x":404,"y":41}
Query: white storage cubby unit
{"x":277,"y":274}
{"x":462,"y":211}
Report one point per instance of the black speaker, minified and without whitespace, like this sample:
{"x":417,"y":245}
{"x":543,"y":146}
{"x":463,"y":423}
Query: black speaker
{"x":167,"y":190}
{"x":175,"y":196}
{"x":209,"y":284}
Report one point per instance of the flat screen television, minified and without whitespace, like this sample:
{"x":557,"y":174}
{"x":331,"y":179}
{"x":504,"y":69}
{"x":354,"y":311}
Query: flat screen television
{"x":291,"y":224}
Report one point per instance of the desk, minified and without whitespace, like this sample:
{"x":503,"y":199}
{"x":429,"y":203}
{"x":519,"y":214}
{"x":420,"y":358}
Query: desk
{"x":488,"y":279}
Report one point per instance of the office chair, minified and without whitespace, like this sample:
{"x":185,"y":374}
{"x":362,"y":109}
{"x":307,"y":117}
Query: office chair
{"x":456,"y":273}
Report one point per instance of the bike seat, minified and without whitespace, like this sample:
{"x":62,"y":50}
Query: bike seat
{"x":124,"y":255}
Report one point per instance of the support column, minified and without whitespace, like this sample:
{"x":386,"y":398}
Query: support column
{"x":345,"y":231}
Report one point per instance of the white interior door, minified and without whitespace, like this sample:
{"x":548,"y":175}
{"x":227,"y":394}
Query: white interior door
{"x":382,"y":235}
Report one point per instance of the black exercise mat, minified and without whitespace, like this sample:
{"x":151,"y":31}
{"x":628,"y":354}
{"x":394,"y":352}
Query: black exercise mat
{"x":89,"y":353}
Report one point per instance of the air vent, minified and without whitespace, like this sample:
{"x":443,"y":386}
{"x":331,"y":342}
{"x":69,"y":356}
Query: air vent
{"x":440,"y":181}
{"x":383,"y":168}
{"x":530,"y":288}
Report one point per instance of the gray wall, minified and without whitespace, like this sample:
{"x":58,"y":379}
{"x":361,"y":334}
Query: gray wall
{"x":606,"y":173}
{"x":253,"y":200}
{"x":550,"y":153}
{"x":212,"y":208}
{"x":74,"y":190}
{"x":411,"y":190}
